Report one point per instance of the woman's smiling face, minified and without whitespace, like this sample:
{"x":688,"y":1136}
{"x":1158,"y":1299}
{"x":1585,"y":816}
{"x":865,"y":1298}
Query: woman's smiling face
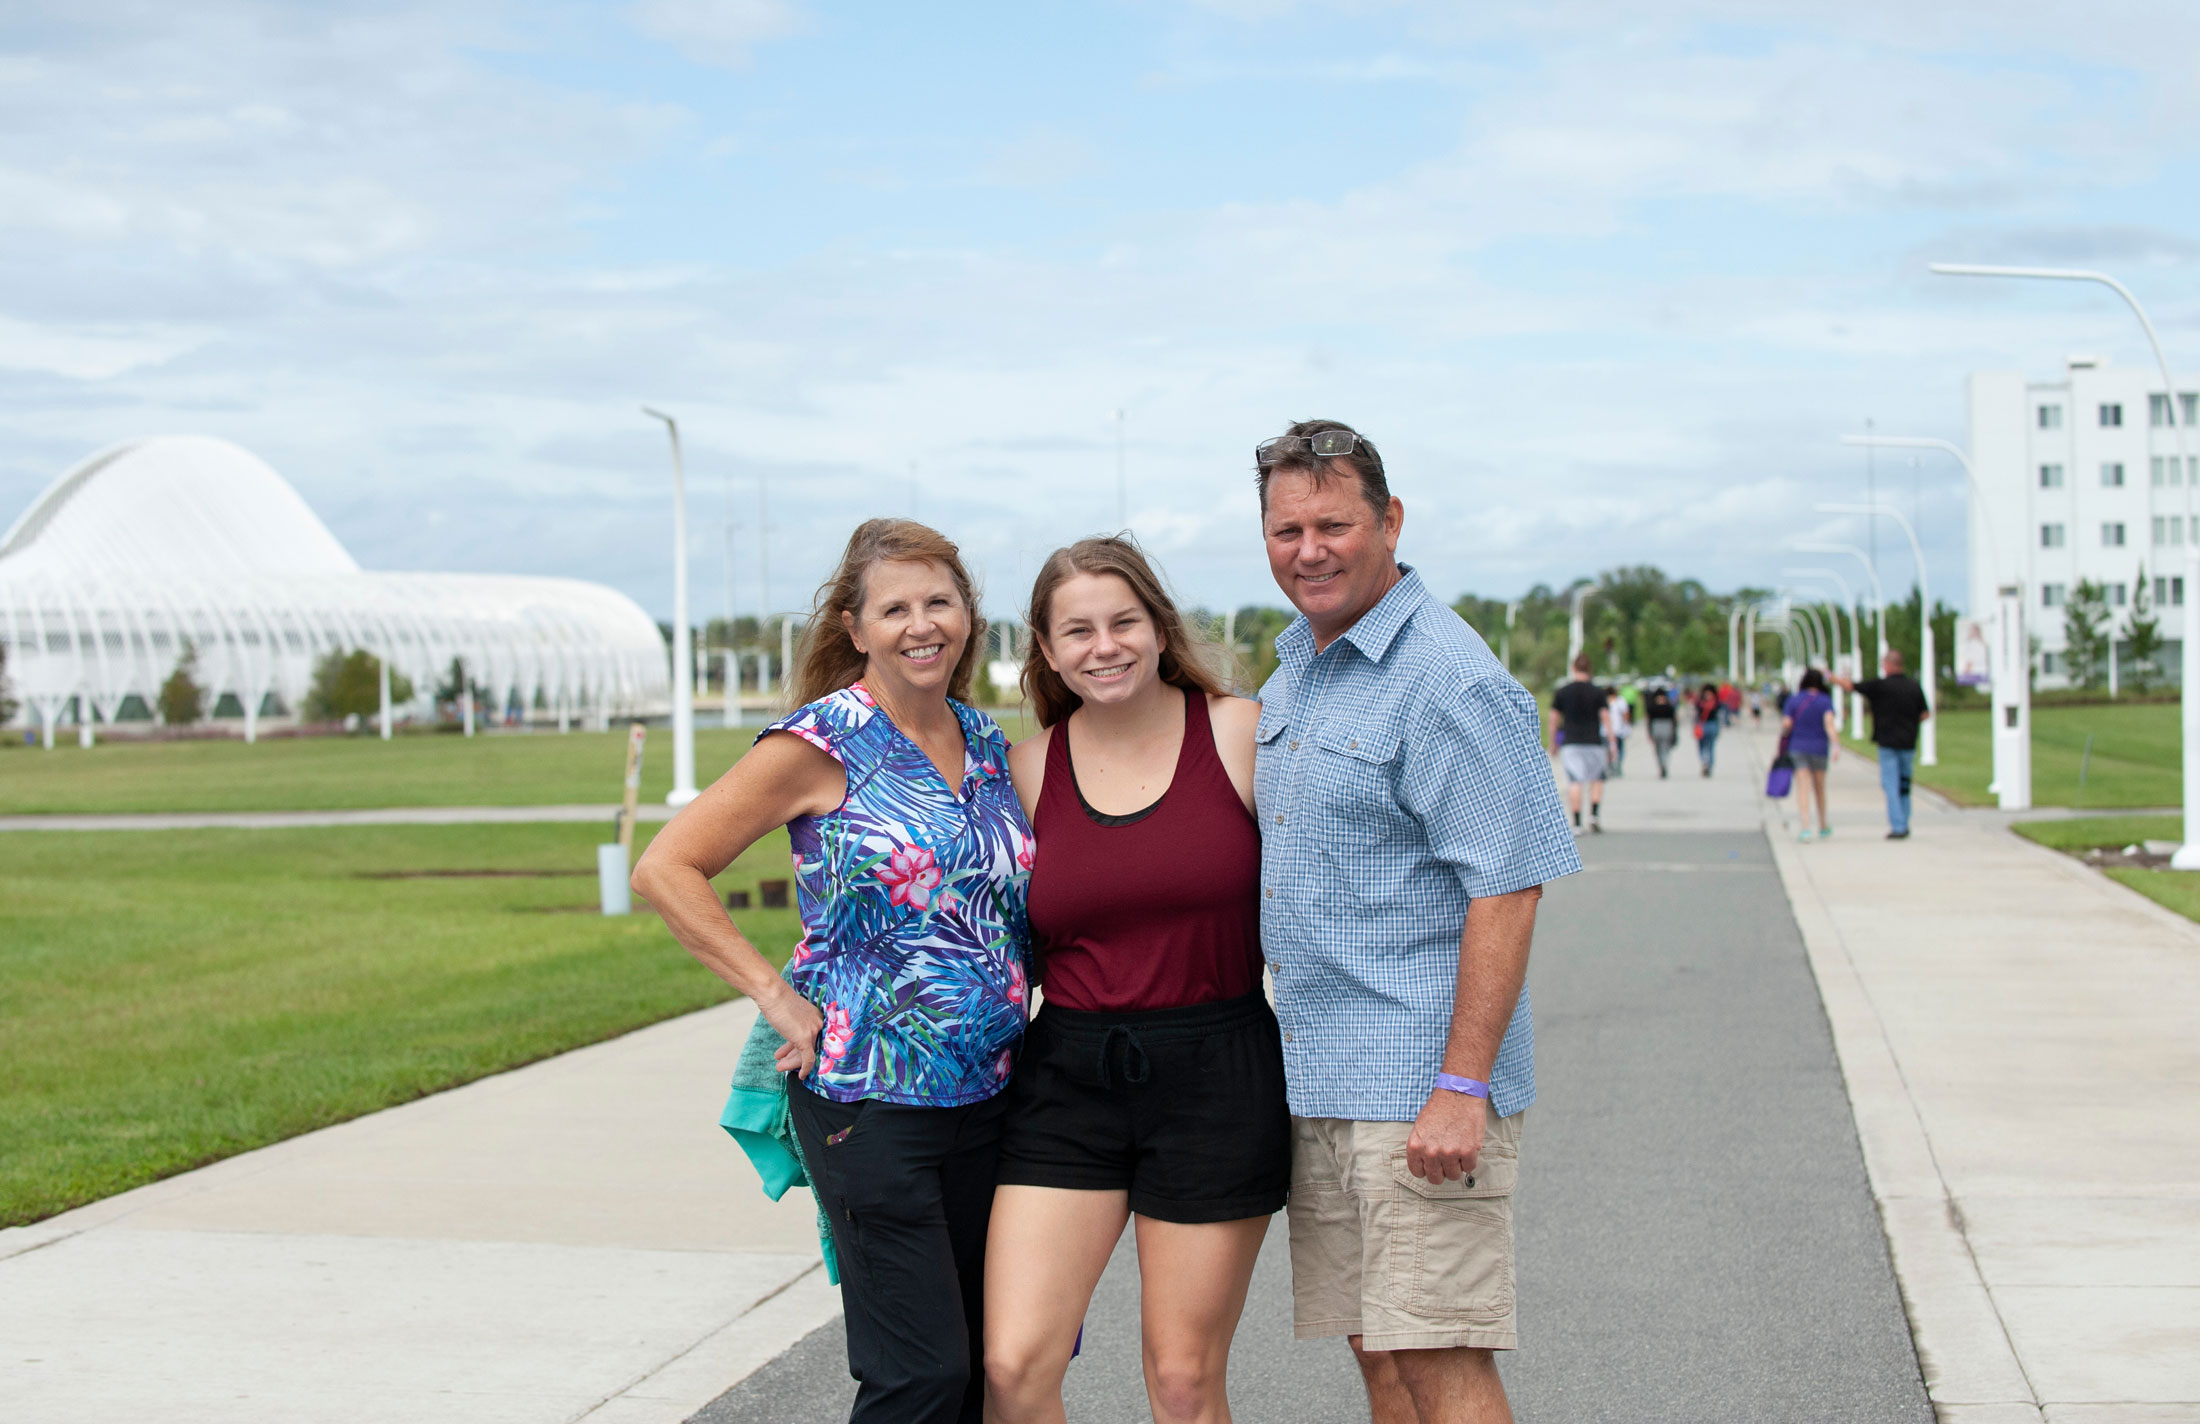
{"x":912,"y":629}
{"x":1101,"y":639}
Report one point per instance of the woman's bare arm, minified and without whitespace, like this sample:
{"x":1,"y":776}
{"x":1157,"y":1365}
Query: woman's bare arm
{"x":1027,"y":769}
{"x":1234,"y":720}
{"x":781,"y":778}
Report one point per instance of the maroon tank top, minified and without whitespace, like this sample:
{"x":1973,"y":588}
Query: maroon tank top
{"x":1155,"y":910}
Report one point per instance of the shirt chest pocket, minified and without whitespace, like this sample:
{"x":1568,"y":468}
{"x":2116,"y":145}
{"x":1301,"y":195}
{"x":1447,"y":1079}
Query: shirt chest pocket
{"x":1355,"y":775}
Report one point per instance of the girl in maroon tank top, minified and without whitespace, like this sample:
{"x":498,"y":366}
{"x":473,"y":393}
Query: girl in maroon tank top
{"x":1151,"y":1083}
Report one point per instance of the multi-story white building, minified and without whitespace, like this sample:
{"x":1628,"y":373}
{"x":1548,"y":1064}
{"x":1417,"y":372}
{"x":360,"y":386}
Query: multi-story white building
{"x":2080,"y":481}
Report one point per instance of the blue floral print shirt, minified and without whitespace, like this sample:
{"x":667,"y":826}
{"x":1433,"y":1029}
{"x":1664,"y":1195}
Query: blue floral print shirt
{"x":915,"y":946}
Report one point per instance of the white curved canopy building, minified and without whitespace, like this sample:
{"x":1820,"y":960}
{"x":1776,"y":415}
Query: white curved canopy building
{"x":159,"y":541}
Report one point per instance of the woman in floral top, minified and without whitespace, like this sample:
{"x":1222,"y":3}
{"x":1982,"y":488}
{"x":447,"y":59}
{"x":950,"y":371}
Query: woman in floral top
{"x":904,"y":1004}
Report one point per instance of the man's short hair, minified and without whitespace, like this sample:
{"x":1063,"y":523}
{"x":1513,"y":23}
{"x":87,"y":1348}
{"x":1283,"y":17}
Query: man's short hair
{"x":1293,"y":453}
{"x":1582,"y":664}
{"x":1894,"y":655}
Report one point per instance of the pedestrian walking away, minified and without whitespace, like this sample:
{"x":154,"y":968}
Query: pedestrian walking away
{"x":1898,"y":709}
{"x":1661,"y":717}
{"x":903,"y":1004}
{"x":1707,"y":726}
{"x":1581,"y":732}
{"x":1623,"y":715}
{"x":1151,"y":1087}
{"x":1409,"y":822}
{"x":1813,"y":739}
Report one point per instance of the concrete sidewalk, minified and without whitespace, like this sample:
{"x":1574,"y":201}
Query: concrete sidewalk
{"x":2017,"y":1036}
{"x":573,"y":1240}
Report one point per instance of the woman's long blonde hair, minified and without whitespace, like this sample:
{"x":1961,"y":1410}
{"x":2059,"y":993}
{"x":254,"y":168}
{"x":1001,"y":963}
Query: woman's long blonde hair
{"x":828,"y":661}
{"x":1187,"y":659}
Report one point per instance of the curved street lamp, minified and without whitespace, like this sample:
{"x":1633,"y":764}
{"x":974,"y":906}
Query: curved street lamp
{"x":683,"y":651}
{"x":2188,"y":854}
{"x":1928,"y":738}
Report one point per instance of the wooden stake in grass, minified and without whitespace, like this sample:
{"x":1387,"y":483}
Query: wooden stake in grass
{"x":636,"y":735}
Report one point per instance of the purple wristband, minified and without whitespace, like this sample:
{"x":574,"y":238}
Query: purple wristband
{"x":1453,"y":1083}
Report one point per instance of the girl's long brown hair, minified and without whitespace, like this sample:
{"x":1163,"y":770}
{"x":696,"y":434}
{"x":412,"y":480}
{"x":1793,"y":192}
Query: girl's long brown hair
{"x":827,"y":660}
{"x":1187,"y":660}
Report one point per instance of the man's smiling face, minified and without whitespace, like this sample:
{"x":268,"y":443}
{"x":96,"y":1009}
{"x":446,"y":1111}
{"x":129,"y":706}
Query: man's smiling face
{"x":1331,"y":553}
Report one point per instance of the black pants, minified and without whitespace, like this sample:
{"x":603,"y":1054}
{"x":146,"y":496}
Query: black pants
{"x":908,"y":1191}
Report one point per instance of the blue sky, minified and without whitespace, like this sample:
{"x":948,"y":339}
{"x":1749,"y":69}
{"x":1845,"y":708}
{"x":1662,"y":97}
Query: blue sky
{"x":1606,"y":286}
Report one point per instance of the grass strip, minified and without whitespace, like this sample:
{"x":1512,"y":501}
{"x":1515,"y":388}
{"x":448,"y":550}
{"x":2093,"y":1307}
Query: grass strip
{"x":2177,"y":890}
{"x":167,"y":1000}
{"x":2134,"y":761}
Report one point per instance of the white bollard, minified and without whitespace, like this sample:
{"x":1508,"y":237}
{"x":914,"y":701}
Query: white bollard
{"x":611,"y":878}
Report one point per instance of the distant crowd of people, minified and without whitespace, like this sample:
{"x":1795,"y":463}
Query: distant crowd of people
{"x":1589,"y":726}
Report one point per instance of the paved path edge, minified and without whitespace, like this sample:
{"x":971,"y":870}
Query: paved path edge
{"x":1971,"y":1370}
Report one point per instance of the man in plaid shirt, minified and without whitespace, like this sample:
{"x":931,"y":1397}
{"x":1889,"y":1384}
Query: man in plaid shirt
{"x":1408,"y":822}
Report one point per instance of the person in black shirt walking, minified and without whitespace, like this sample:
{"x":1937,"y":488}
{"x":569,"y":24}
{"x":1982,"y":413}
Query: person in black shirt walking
{"x":1581,"y":734}
{"x":1663,"y":720}
{"x":1898,"y":707}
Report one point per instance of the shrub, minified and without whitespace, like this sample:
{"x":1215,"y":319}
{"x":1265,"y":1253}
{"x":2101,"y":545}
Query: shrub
{"x":182,"y":700}
{"x":350,"y":684}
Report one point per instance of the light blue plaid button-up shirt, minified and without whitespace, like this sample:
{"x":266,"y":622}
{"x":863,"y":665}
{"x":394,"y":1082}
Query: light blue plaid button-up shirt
{"x":1400,"y":774}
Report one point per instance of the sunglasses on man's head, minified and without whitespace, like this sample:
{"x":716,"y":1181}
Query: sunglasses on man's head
{"x":1325,"y":443}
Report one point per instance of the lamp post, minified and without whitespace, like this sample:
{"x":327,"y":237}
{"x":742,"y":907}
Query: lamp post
{"x":2188,"y":854}
{"x":1512,"y":611}
{"x":1122,"y":485}
{"x":1928,"y":738}
{"x":1574,"y":636}
{"x":683,"y":649}
{"x":1856,"y":639}
{"x":2009,"y":685}
{"x":1734,"y":644}
{"x":1879,"y":598}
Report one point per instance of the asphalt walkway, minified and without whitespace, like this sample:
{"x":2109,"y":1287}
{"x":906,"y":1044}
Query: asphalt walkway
{"x":1697,"y":1238}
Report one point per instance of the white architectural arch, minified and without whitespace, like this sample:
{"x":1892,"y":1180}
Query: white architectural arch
{"x":157,"y":542}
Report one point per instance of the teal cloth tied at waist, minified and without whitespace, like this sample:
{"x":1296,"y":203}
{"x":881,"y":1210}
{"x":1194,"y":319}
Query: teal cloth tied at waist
{"x":756,"y":1117}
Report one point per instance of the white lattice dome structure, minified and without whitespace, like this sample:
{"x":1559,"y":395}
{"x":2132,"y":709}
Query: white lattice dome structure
{"x":184,"y":537}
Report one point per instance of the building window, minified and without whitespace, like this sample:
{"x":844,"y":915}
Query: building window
{"x":2112,"y":535}
{"x":2190,"y":400}
{"x":2112,"y":414}
{"x":2169,"y":529}
{"x":2157,"y":410}
{"x":2118,"y":594}
{"x":2050,"y":417}
{"x":2051,"y":536}
{"x":2051,"y":595}
{"x":2170,"y":591}
{"x":2162,"y":469}
{"x":2050,"y":664}
{"x":2050,"y":477}
{"x":2112,"y":474}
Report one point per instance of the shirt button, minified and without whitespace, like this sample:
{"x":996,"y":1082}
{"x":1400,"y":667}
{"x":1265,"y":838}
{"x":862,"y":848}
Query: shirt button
{"x":1287,"y":1038}
{"x":1279,"y":818}
{"x":1294,"y":744}
{"x":1270,"y":892}
{"x":1351,"y":746}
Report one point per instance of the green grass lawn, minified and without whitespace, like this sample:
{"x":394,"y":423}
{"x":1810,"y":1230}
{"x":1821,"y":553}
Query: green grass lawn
{"x":328,"y":773}
{"x":2178,"y":890}
{"x":2135,"y":759}
{"x":168,"y":999}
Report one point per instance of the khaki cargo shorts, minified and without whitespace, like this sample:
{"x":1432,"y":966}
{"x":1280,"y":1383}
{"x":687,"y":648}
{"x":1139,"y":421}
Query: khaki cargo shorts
{"x":1404,"y":1263}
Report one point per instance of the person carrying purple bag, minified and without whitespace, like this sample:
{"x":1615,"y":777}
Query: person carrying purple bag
{"x":1813,"y":740}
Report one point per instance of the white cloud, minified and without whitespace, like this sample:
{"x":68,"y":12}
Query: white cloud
{"x":716,"y":32}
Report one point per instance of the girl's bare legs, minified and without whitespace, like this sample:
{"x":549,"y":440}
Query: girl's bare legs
{"x":1818,"y":791}
{"x":1044,"y":1253}
{"x":1192,"y":1284}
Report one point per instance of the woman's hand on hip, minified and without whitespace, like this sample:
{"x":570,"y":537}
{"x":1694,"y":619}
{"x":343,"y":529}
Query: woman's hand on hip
{"x":798,"y":1022}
